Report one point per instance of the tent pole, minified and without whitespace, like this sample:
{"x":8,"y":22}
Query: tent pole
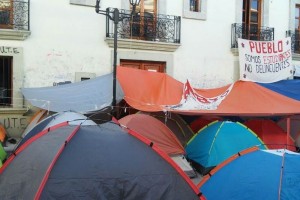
{"x":288,"y":130}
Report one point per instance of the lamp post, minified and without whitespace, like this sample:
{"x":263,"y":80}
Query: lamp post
{"x":116,"y":18}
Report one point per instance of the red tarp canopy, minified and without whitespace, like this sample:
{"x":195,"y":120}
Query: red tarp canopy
{"x":151,"y":91}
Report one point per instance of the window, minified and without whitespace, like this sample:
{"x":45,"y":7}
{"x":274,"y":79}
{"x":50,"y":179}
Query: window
{"x":195,"y":5}
{"x":6,"y":80}
{"x":144,"y":22}
{"x":194,"y":9}
{"x":297,"y":29}
{"x":251,"y":19}
{"x":6,"y":14}
{"x":14,"y":19}
{"x":297,"y":17}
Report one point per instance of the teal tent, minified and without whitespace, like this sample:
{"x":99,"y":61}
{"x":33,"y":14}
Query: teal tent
{"x":218,"y":141}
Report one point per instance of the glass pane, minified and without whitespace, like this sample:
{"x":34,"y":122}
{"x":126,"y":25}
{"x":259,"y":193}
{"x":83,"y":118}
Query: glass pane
{"x":4,"y":17}
{"x":296,"y":24}
{"x":5,"y":5}
{"x":192,"y":5}
{"x":254,"y":5}
{"x":5,"y":12}
{"x":244,"y":4}
{"x":149,"y":6}
{"x":297,"y":12}
{"x":244,"y":19}
{"x":254,"y":17}
{"x":254,"y":29}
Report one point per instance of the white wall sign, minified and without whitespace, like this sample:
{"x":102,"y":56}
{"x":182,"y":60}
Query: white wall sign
{"x":265,"y":61}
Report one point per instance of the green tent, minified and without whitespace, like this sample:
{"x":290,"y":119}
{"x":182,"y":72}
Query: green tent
{"x":3,"y":154}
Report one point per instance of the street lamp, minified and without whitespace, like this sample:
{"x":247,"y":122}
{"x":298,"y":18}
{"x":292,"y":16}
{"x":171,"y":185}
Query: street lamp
{"x":116,"y":18}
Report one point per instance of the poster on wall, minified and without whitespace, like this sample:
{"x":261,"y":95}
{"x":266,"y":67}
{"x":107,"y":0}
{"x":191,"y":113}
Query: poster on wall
{"x":265,"y":61}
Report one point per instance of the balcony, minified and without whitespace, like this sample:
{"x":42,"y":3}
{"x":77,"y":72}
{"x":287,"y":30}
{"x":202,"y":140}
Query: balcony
{"x":250,"y":33}
{"x":295,"y":40}
{"x":145,"y":31}
{"x":14,"y":19}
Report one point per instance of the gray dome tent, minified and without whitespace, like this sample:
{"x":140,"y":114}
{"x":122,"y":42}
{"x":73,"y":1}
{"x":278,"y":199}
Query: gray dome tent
{"x":92,"y":162}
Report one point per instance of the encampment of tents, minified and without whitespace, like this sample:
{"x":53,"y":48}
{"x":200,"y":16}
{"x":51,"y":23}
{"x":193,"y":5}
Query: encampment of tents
{"x":271,"y":134}
{"x":92,"y":162}
{"x":255,"y":174}
{"x":217,"y":142}
{"x":161,"y":135}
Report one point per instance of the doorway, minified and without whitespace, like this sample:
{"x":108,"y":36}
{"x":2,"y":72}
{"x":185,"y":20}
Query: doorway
{"x":144,"y":65}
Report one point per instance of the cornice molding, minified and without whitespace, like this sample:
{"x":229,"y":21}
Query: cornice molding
{"x":143,"y":45}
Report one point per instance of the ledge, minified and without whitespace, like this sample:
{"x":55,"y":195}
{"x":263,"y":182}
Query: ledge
{"x":235,"y":51}
{"x":143,"y":45}
{"x":13,"y":110}
{"x":8,"y":34}
{"x":296,"y":56}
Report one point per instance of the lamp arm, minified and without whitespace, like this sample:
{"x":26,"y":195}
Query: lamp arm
{"x":103,"y":12}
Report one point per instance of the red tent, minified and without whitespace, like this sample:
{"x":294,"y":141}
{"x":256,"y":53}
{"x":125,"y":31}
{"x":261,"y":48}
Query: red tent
{"x":272,"y":135}
{"x":152,"y":91}
{"x":201,"y":122}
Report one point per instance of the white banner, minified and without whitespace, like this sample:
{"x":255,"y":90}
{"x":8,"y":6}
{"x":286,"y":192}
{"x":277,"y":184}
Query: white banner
{"x":265,"y":61}
{"x":191,"y":100}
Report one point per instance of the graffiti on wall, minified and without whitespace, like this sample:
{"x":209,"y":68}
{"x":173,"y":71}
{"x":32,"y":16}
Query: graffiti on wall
{"x":14,"y":125}
{"x":9,"y":50}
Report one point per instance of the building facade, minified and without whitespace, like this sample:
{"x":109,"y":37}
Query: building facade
{"x":49,"y":42}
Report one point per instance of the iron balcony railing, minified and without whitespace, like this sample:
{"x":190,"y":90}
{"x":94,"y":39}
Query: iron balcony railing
{"x":295,"y":40}
{"x":250,"y":33}
{"x":146,"y":26}
{"x":14,"y":14}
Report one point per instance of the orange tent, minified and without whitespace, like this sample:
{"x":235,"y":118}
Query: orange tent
{"x":2,"y":133}
{"x":152,"y":91}
{"x":154,"y":130}
{"x":157,"y":132}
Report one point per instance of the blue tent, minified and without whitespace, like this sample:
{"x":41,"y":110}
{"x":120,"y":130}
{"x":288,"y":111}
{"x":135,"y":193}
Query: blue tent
{"x":218,"y":141}
{"x":289,"y":88}
{"x":257,"y":174}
